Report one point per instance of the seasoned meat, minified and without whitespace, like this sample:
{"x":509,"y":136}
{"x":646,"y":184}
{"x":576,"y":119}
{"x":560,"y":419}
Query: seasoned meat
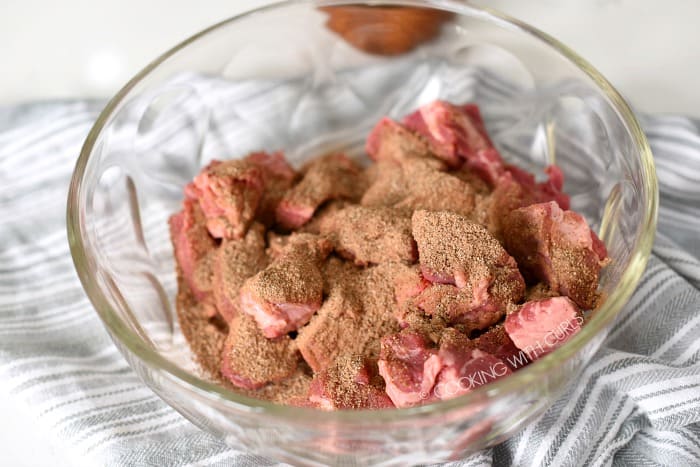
{"x":370,"y":235}
{"x":234,"y":262}
{"x":283,"y":296}
{"x":541,"y":326}
{"x":250,"y":360}
{"x":557,"y":247}
{"x":229,"y":193}
{"x":334,"y":176}
{"x":193,"y":245}
{"x":350,"y":382}
{"x":454,"y":250}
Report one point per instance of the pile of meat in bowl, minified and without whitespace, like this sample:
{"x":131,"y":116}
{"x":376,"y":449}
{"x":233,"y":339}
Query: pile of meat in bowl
{"x":435,"y":270}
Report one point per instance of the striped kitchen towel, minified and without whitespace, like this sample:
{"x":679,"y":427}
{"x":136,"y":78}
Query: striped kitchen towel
{"x":636,"y":403}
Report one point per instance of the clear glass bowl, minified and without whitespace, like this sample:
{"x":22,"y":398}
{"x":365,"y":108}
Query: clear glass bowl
{"x":277,"y":78}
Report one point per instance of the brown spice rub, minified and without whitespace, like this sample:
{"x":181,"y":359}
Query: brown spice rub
{"x":276,"y":243}
{"x":390,"y":141}
{"x":288,"y":282}
{"x":284,"y":295}
{"x":350,"y":382}
{"x":539,"y":291}
{"x":452,"y":338}
{"x":204,"y":334}
{"x":334,"y":176}
{"x":203,"y":275}
{"x":455,"y":250}
{"x":491,"y":210}
{"x":430,"y":327}
{"x":326,"y":334}
{"x":387,"y":187}
{"x":408,"y":284}
{"x":415,"y":185}
{"x":275,"y":315}
{"x":313,"y":226}
{"x":577,"y":271}
{"x":278,"y":177}
{"x":472,"y":179}
{"x":250,"y":360}
{"x":557,"y":247}
{"x":435,"y":191}
{"x":370,"y":235}
{"x":355,"y":315}
{"x":293,"y":390}
{"x":234,"y":262}
{"x":455,"y":306}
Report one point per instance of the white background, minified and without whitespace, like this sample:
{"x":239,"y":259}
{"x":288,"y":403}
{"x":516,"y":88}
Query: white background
{"x":649,"y":50}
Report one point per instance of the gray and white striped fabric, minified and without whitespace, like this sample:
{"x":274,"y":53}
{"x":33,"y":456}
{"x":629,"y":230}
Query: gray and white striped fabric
{"x":637,"y":403}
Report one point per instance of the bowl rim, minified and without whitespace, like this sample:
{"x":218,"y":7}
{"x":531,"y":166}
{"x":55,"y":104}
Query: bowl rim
{"x":125,"y":337}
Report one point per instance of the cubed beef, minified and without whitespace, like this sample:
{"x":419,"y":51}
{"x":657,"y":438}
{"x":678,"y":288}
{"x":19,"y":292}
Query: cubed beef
{"x":370,"y":235}
{"x":415,"y":185}
{"x":435,"y":191}
{"x":283,"y":296}
{"x":334,"y":176}
{"x":327,"y":334}
{"x":276,"y":244}
{"x":549,"y":190}
{"x":558,"y":248}
{"x":487,"y":164}
{"x":480,"y":187}
{"x":387,"y":185}
{"x":496,"y":342}
{"x":390,"y":141}
{"x":541,"y":326}
{"x":416,"y":372}
{"x":313,"y":226}
{"x":357,"y":312}
{"x":491,"y":210}
{"x":515,"y":189}
{"x":454,"y":250}
{"x":193,"y":245}
{"x":278,"y":177}
{"x":459,"y":132}
{"x":274,"y":166}
{"x":472,"y":311}
{"x":539,"y":291}
{"x":465,"y":367}
{"x":250,"y":360}
{"x":350,"y":382}
{"x":455,"y":132}
{"x":234,"y":262}
{"x":410,"y":366}
{"x":229,"y":193}
{"x":409,"y":285}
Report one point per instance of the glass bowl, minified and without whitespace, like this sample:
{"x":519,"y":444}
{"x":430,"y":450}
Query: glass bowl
{"x":279,"y":78}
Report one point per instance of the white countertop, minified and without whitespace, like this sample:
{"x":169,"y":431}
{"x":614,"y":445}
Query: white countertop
{"x":78,"y":48}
